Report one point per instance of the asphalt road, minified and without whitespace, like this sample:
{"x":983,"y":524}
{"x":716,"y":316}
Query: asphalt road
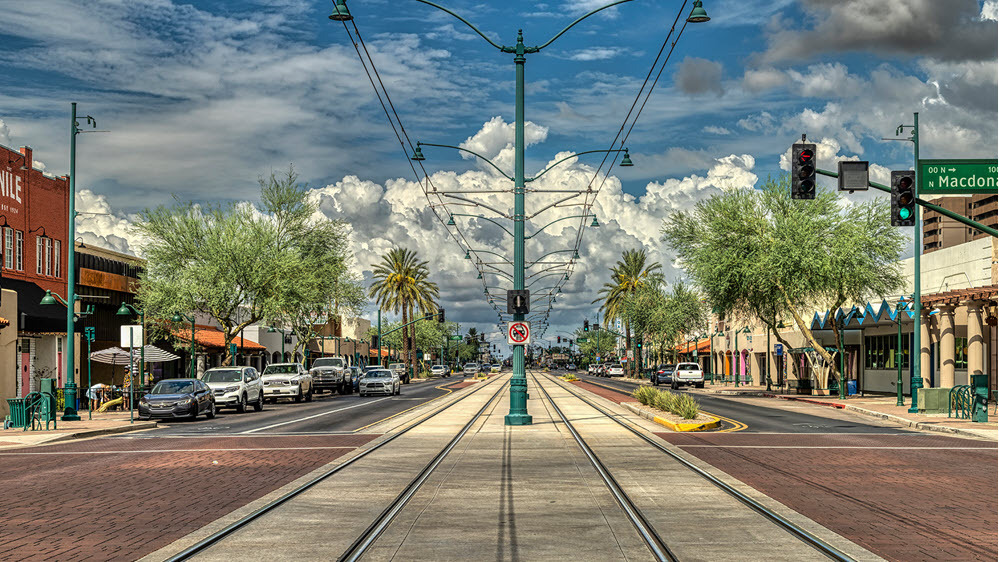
{"x":326,"y":414}
{"x":758,"y":418}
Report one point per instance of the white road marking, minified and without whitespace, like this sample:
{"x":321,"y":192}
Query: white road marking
{"x":313,"y":416}
{"x":11,"y":454}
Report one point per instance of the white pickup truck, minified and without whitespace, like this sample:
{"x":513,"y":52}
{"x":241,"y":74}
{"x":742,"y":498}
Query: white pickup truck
{"x":689,"y":374}
{"x":330,"y":373}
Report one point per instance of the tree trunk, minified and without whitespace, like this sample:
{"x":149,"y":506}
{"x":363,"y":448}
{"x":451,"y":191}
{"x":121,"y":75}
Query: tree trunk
{"x":413,"y":346}
{"x":808,"y":334}
{"x":627,"y":346}
{"x":405,"y":334}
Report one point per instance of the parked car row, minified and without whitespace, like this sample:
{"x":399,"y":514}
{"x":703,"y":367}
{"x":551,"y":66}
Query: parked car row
{"x":242,"y":387}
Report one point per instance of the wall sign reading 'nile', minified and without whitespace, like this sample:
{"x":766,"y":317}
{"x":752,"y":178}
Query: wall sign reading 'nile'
{"x":10,"y":188}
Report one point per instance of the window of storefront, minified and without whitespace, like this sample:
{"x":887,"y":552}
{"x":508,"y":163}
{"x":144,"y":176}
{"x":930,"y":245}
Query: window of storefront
{"x":48,"y":256}
{"x":57,"y":252}
{"x":39,"y":254}
{"x":960,"y":353}
{"x":8,"y":248}
{"x":20,"y":250}
{"x":881,"y":351}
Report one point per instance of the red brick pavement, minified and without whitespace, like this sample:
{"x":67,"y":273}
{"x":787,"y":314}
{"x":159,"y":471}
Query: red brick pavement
{"x":904,"y":504}
{"x":603,"y":392}
{"x":123,"y":498}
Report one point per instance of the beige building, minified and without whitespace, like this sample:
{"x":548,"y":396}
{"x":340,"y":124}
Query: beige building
{"x":958,"y":287}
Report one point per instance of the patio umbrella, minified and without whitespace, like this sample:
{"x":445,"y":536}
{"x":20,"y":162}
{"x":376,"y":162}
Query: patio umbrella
{"x":156,"y":355}
{"x":111,"y":356}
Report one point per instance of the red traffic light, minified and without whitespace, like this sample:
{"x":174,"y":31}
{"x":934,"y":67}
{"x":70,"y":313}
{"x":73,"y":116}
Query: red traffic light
{"x":905,"y":182}
{"x":806,"y":155}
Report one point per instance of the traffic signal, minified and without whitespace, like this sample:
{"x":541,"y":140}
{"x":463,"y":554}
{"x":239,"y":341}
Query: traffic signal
{"x":440,"y":315}
{"x":374,"y":341}
{"x":558,"y":339}
{"x":803,"y":171}
{"x":586,"y":325}
{"x":518,"y":301}
{"x":903,"y":198}
{"x":639,"y":345}
{"x":428,"y":316}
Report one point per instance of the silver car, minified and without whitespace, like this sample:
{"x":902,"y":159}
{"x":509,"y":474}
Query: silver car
{"x":379,"y":381}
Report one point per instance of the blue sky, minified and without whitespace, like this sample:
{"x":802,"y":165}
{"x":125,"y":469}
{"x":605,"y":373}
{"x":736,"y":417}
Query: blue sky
{"x":201,"y":98}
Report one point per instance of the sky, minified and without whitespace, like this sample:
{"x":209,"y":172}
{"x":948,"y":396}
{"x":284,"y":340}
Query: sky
{"x":202,"y":98}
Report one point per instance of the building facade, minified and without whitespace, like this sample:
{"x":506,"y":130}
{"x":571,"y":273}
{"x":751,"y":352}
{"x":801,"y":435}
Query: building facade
{"x":941,"y":232}
{"x":34,"y":220}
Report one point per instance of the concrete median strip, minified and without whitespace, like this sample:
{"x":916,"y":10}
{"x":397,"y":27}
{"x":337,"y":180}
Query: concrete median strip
{"x":704,"y":426}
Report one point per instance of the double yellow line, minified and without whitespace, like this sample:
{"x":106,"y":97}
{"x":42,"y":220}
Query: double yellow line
{"x":737,"y":425}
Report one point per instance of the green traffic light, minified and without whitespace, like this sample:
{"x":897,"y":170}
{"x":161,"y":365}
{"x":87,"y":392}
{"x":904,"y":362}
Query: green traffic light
{"x":904,"y":213}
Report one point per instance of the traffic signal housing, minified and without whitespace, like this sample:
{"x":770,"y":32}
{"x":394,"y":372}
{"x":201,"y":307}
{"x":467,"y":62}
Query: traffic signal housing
{"x":559,"y":339}
{"x":903,"y":198}
{"x":586,"y":325}
{"x":803,"y":171}
{"x":440,"y":315}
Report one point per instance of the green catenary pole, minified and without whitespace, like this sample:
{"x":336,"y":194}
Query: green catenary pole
{"x":70,"y":413}
{"x":917,"y":243}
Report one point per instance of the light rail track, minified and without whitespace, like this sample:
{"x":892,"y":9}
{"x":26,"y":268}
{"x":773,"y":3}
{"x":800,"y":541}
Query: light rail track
{"x":648,"y":533}
{"x":808,"y":538}
{"x":361,"y":544}
{"x":216,"y":537}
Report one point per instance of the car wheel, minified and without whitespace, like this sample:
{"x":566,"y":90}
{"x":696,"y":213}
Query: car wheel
{"x":210,"y":414}
{"x":398,"y":390}
{"x":259,"y":404}
{"x":241,"y":404}
{"x":194,"y":414}
{"x":308,"y":397}
{"x":674,"y":386}
{"x":700,"y":385}
{"x":300,"y":395}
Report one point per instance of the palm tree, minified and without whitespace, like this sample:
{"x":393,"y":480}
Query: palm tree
{"x":627,"y":276}
{"x":401,"y":285}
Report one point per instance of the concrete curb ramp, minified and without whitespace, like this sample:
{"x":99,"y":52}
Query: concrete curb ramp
{"x":672,"y":425}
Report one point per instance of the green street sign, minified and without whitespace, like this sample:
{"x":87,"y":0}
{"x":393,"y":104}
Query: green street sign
{"x":581,"y":340}
{"x":455,"y":338}
{"x":957,"y":176}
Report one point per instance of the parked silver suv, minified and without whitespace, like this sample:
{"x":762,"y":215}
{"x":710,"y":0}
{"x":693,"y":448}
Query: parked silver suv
{"x":235,"y":387}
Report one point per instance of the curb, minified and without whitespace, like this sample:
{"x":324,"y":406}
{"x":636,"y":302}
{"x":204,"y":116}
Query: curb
{"x":922,"y":426}
{"x":671,"y":425}
{"x":109,"y":431}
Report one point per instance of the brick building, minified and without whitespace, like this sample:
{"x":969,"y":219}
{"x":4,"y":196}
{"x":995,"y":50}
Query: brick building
{"x":34,"y":219}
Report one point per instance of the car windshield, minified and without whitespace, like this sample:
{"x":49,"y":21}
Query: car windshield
{"x":669,"y":367}
{"x":687,"y":367}
{"x":280,"y":369}
{"x":470,"y":365}
{"x":328,"y":362}
{"x":377,"y":374}
{"x":227,"y":375}
{"x":437,"y":367}
{"x":173,"y":387}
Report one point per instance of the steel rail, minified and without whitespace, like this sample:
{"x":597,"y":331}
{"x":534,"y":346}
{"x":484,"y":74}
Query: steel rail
{"x":645,"y":529}
{"x":360,"y":546}
{"x":805,"y":536}
{"x":231,"y":528}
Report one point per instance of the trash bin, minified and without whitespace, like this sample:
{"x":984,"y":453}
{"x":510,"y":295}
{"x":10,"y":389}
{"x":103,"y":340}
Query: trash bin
{"x":851,"y":387}
{"x":18,"y":413}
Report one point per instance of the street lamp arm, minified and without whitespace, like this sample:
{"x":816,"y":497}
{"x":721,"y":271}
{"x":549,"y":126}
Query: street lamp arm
{"x":549,"y":254}
{"x":568,"y":27}
{"x":497,"y":272}
{"x":538,"y":231}
{"x":505,"y":229}
{"x":466,"y":22}
{"x":491,"y":252}
{"x":476,"y":154}
{"x":542,"y":277}
{"x":545,"y":171}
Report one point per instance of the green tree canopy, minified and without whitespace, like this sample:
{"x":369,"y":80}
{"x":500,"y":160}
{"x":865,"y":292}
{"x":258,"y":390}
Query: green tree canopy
{"x":760,"y":254}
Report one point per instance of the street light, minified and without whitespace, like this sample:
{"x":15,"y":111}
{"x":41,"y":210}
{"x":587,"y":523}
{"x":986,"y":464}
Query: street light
{"x":178,"y":317}
{"x":129,"y":310}
{"x":735,"y":374}
{"x":518,"y":384}
{"x":69,"y":392}
{"x":272,"y":330}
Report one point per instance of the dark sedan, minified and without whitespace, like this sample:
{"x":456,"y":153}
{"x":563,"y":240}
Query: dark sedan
{"x":178,"y":398}
{"x":663,"y":375}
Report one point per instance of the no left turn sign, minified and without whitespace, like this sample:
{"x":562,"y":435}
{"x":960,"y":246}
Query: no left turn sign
{"x":518,"y":333}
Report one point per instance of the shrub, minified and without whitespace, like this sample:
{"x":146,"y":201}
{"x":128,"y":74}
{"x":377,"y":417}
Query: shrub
{"x":665,"y":400}
{"x":644,"y":394}
{"x":686,"y":407}
{"x":570,"y":377}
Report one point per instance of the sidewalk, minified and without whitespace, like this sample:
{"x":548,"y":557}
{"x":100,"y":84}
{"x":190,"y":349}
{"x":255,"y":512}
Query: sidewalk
{"x":101,"y":424}
{"x":875,"y":406}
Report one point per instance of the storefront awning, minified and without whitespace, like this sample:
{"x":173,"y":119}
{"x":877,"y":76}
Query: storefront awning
{"x":34,"y":316}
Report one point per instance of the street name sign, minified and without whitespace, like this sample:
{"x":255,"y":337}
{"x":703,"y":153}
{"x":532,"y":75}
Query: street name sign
{"x":518,"y":333}
{"x":581,"y":340}
{"x":455,"y":338}
{"x":957,"y":176}
{"x":778,"y":349}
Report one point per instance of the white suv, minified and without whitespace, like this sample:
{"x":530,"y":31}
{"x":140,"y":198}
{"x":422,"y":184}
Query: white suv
{"x":471,"y":369}
{"x":689,"y":374}
{"x":235,"y":387}
{"x":287,"y":380}
{"x":615,"y":371}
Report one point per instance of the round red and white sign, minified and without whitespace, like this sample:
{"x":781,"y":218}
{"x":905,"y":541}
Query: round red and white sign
{"x":518,"y":333}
